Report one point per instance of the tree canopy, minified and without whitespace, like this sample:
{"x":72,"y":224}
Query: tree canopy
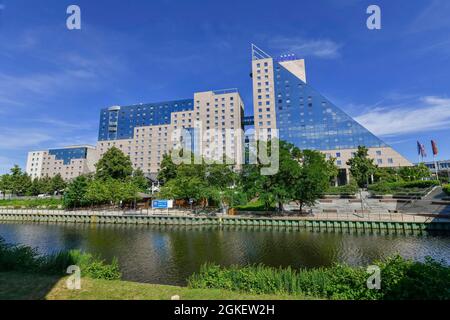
{"x":115,"y":165}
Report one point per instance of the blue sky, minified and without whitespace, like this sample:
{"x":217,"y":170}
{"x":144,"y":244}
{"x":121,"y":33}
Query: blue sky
{"x":53,"y":81}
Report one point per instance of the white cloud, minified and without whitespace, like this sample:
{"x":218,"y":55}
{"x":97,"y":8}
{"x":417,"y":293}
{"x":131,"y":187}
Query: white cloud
{"x":428,"y":113}
{"x":19,"y":139}
{"x":320,"y":48}
{"x":433,"y":17}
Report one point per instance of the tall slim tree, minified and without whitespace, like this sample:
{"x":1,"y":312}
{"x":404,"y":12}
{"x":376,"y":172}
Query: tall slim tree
{"x":19,"y":181}
{"x":362,"y":167}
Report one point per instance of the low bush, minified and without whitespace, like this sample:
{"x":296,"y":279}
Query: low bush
{"x":400,"y":279}
{"x":349,"y":189}
{"x":446,"y":189}
{"x":406,"y":188}
{"x":26,"y":259}
{"x":254,"y":206}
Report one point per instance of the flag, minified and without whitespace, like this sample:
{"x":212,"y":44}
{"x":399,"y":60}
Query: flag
{"x":424,"y":152}
{"x":421,"y":150}
{"x":434,"y":147}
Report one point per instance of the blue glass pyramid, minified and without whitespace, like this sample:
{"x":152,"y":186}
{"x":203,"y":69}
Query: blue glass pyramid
{"x":310,"y":121}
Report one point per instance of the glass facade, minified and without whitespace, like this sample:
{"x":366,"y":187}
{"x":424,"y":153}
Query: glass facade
{"x":119,"y":122}
{"x":69,"y":154}
{"x":307,"y":119}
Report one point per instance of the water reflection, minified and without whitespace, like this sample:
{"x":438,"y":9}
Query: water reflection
{"x":168,"y":255}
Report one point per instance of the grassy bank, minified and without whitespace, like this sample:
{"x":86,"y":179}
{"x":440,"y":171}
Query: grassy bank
{"x":19,"y":286}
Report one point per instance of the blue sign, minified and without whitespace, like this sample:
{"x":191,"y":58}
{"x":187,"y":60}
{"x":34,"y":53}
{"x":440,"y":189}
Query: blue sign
{"x":162,"y":204}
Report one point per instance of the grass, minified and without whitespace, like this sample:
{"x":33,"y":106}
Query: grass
{"x":32,"y":203}
{"x":20,"y":286}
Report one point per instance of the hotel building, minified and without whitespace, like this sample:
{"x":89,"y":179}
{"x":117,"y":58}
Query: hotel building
{"x":212,"y":124}
{"x":69,"y":162}
{"x":209,"y":125}
{"x":287,"y":107}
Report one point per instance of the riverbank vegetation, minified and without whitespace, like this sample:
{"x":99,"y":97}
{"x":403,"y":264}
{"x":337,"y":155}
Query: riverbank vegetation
{"x":400,"y":280}
{"x":24,"y":259}
{"x":24,"y":274}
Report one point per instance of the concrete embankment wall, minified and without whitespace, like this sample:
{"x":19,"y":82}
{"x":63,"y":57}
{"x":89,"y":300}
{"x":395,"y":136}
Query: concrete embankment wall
{"x":183,"y":220}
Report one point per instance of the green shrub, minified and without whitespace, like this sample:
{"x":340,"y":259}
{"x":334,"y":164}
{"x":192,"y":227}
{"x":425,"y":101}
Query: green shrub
{"x":27,"y":259}
{"x":349,"y":189}
{"x":254,"y":206}
{"x":406,"y":188}
{"x":446,"y":189}
{"x":400,"y":279}
{"x":18,"y":258}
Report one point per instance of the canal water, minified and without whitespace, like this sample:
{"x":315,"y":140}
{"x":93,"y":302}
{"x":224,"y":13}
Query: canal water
{"x":168,"y":255}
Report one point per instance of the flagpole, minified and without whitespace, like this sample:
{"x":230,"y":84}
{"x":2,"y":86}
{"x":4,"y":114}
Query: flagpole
{"x":436,"y":167}
{"x":435,"y":152}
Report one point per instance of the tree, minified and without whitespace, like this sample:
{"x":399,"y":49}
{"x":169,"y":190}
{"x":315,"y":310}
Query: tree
{"x":140,"y":181}
{"x":168,"y":169}
{"x":278,"y":188}
{"x":414,"y":173}
{"x":189,"y":183}
{"x":361,"y":167}
{"x":18,"y":181}
{"x":114,"y":164}
{"x":57,"y":184}
{"x":5,"y":184}
{"x":387,"y":175}
{"x":221,"y":181}
{"x":314,"y":178}
{"x":75,"y":195}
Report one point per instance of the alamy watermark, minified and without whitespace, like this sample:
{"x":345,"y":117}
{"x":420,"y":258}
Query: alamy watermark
{"x":374,"y":20}
{"x":73,"y":22}
{"x":227,"y":146}
{"x":374,"y":280}
{"x":74,"y":280}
